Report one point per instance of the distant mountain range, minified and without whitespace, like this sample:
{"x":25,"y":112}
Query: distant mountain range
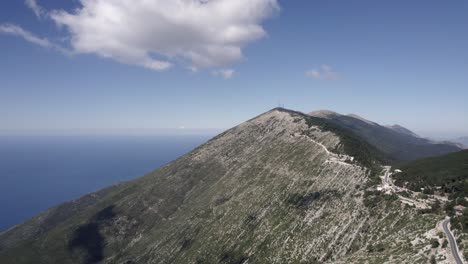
{"x":462,"y":140}
{"x":399,"y":143}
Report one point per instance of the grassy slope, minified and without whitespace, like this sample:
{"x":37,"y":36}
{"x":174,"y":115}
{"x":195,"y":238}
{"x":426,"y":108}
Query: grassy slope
{"x":449,"y":171}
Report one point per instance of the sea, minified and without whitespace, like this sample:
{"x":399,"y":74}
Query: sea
{"x":39,"y":172}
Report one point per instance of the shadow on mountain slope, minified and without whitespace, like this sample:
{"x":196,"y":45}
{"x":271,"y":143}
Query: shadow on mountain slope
{"x":88,"y":237}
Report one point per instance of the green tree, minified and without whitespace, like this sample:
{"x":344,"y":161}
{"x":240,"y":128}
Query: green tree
{"x":434,"y":243}
{"x":444,"y":243}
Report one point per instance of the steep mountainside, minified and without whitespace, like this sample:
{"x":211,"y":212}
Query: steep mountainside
{"x":397,"y":142}
{"x":280,"y":188}
{"x":449,"y":172}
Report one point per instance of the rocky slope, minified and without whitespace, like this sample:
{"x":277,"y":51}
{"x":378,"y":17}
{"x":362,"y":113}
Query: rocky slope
{"x":397,"y":142}
{"x":281,"y":188}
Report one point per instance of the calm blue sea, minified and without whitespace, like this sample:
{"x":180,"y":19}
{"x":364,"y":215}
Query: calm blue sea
{"x":39,"y":172}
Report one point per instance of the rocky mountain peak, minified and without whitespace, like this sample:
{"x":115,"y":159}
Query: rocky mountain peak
{"x":283,"y":187}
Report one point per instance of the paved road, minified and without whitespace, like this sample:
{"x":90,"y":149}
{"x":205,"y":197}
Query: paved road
{"x":386,"y":180}
{"x":387,"y":173}
{"x":453,"y":243}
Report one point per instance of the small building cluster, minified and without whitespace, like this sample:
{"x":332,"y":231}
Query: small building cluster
{"x":459,"y":209}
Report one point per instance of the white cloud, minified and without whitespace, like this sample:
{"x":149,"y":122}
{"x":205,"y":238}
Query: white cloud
{"x":225,"y":73}
{"x":37,"y":9}
{"x":155,"y":34}
{"x":18,"y":31}
{"x":313,"y":73}
{"x":157,"y":65}
{"x":324,"y":72}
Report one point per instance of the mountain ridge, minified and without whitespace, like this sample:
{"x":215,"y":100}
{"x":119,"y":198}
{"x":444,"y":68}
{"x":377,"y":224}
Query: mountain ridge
{"x":402,"y":130}
{"x":397,"y":142}
{"x":282,"y":187}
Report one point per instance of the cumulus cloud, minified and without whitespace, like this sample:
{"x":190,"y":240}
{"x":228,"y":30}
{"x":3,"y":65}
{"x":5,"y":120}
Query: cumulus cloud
{"x":225,"y":73}
{"x":37,"y":9}
{"x":155,"y":34}
{"x":324,"y":72}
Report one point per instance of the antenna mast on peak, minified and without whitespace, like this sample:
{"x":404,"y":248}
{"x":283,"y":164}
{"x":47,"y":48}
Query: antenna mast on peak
{"x":280,"y":105}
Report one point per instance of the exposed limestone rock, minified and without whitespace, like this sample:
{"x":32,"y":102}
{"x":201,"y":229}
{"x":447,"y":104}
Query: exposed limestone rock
{"x":279,"y":188}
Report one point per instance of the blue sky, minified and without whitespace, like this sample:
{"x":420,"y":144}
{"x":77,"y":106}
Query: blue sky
{"x":402,"y":62}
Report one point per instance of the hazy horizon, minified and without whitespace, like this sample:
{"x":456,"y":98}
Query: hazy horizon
{"x":438,"y":133}
{"x":65,"y":67}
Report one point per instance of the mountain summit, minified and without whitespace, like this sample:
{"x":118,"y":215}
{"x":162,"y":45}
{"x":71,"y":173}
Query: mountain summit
{"x":283,"y":187}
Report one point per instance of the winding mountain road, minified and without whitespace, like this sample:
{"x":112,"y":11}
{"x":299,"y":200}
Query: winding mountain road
{"x":452,"y":241}
{"x":387,"y":183}
{"x":387,"y":174}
